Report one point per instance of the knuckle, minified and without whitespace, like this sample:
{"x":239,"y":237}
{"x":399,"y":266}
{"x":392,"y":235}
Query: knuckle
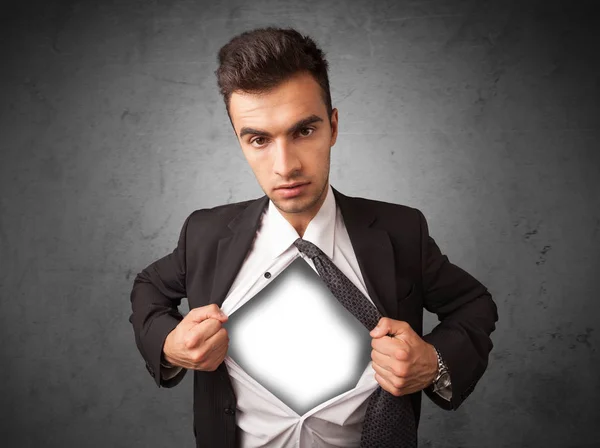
{"x":188,"y":343}
{"x":197,"y":357}
{"x":397,"y":383}
{"x":397,"y":371}
{"x":401,"y":355}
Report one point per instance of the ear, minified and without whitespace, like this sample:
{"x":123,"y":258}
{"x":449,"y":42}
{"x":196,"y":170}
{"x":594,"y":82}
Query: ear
{"x":334,"y":126}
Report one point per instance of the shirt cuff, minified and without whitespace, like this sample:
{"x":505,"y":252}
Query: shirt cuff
{"x":166,"y":373}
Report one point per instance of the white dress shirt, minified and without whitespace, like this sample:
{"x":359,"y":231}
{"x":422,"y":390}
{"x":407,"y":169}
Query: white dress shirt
{"x":264,"y":420}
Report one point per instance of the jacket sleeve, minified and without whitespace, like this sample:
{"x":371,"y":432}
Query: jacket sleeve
{"x":155,"y":298}
{"x":467,"y":316}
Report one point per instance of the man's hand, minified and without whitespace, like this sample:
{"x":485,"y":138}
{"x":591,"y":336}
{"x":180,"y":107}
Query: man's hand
{"x":404,"y":362}
{"x":199,"y":341}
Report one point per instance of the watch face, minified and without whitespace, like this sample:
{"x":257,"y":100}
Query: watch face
{"x":444,"y":380}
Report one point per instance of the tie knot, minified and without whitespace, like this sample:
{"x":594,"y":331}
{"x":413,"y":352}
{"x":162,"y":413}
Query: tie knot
{"x":307,"y":248}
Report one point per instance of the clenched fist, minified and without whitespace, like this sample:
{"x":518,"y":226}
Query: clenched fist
{"x":199,"y":341}
{"x":404,"y":363}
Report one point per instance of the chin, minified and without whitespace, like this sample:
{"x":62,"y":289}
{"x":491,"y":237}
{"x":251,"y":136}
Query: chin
{"x":295,"y":205}
{"x":292,"y":205}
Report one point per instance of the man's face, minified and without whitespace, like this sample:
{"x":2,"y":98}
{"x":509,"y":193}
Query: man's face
{"x":287,"y":138}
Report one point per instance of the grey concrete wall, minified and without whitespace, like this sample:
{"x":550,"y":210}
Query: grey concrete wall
{"x":483,"y":114}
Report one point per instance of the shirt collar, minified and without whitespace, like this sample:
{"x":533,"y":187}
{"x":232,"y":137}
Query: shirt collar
{"x":320,"y":231}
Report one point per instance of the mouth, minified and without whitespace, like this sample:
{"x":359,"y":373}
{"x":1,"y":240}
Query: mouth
{"x":295,"y":184}
{"x":292,"y":190}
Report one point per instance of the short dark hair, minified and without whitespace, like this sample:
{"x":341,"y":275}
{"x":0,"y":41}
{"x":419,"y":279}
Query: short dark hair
{"x":258,"y":60}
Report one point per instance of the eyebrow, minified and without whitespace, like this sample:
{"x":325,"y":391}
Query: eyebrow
{"x":295,"y":127}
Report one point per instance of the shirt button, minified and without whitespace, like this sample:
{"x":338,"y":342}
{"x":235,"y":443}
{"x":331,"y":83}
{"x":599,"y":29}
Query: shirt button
{"x":267,"y":274}
{"x":229,"y":411}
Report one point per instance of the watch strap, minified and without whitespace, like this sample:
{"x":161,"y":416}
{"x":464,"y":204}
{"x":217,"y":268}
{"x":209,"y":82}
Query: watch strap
{"x":442,"y":367}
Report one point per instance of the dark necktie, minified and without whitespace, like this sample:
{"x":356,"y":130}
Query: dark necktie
{"x":389,"y":420}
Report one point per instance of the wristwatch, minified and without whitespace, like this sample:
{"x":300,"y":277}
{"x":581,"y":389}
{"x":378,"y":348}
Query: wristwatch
{"x":443,"y":377}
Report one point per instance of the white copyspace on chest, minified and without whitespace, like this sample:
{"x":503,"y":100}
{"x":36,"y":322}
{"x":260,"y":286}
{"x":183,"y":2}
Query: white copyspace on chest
{"x":297,"y":340}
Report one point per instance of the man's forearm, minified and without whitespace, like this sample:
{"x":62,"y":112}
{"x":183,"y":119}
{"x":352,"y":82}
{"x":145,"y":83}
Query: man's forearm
{"x":155,"y":298}
{"x":463,"y":339}
{"x":467,"y":317}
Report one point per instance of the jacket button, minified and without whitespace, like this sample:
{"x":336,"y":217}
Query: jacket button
{"x":229,"y":411}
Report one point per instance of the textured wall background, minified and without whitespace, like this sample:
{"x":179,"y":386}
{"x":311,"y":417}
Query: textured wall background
{"x":483,"y":114}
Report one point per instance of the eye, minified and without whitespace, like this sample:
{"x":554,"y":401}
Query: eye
{"x":259,"y":140}
{"x":303,"y":131}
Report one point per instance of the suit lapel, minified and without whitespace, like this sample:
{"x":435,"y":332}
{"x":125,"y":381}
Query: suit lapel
{"x":371,"y":245}
{"x":232,"y":249}
{"x":373,"y":250}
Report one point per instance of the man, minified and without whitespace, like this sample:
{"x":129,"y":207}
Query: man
{"x":276,"y":91}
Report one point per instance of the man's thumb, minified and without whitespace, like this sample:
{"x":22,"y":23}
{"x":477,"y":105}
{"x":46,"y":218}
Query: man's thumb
{"x":379,"y":330}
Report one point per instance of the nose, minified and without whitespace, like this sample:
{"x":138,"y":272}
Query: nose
{"x":286,"y":161}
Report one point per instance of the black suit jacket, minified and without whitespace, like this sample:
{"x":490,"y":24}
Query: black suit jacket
{"x":401,"y":264}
